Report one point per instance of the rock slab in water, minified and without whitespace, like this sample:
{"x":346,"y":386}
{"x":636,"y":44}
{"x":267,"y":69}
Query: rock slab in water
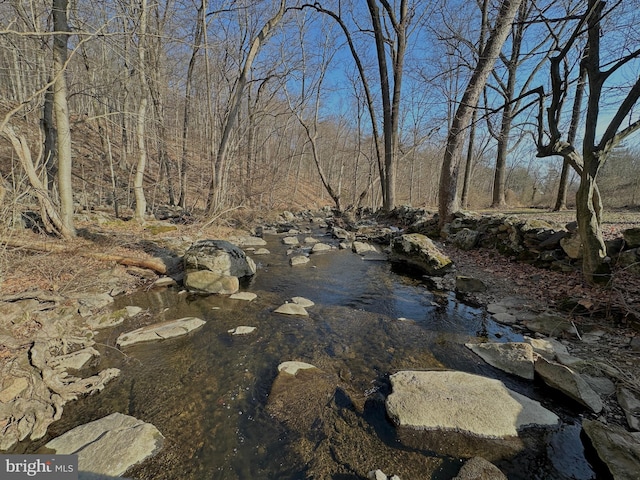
{"x":218,"y":256}
{"x":292,"y":367}
{"x":298,"y":260}
{"x":246,"y":296}
{"x":617,"y":448}
{"x":320,"y":247}
{"x":450,"y":400}
{"x":241,"y":330}
{"x":361,"y":248}
{"x":292,"y":309}
{"x":477,"y":468}
{"x":515,"y":358}
{"x":160,"y":331}
{"x":418,"y":250}
{"x":303,"y":302}
{"x":565,"y":380}
{"x":110,"y":445}
{"x":205,"y":281}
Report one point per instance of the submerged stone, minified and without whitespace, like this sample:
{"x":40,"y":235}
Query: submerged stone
{"x":292,"y":309}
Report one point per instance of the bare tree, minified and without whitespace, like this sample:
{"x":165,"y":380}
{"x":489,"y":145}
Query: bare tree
{"x":596,"y":267}
{"x":138,"y":183}
{"x":216,"y":193}
{"x":448,"y":201}
{"x":61,"y":111}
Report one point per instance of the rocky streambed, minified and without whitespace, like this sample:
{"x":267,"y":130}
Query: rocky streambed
{"x":320,"y":368}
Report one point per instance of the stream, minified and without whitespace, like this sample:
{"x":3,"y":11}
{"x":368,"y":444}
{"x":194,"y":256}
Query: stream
{"x":207,"y":392}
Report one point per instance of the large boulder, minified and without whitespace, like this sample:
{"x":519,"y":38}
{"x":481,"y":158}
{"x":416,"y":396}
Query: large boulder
{"x":218,"y":256}
{"x":110,"y":445}
{"x":418,"y":250}
{"x":617,"y":448}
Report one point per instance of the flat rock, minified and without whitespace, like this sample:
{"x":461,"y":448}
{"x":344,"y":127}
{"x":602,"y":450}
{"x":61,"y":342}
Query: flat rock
{"x":292,"y":367}
{"x":601,"y":385}
{"x":298,"y":260}
{"x":360,"y":248}
{"x":320,"y":247}
{"x":14,"y":389}
{"x":617,"y":448}
{"x":246,"y":296}
{"x":206,"y":281}
{"x":110,"y":445}
{"x":91,"y":303}
{"x":504,"y":318}
{"x":248,"y":241}
{"x":241,"y":330}
{"x":477,"y":468}
{"x":549,"y":348}
{"x":75,"y":360}
{"x":497,"y":308}
{"x":133,"y":310}
{"x":303,"y":302}
{"x":292,"y":309}
{"x":164,"y":282}
{"x":311,"y":240}
{"x":160,"y":331}
{"x":262,"y":251}
{"x":630,"y":403}
{"x":458,"y":401}
{"x":291,"y":241}
{"x":569,"y":382}
{"x":515,"y":358}
{"x":550,"y":325}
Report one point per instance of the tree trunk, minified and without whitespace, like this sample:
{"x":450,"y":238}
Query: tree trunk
{"x":138,"y":181}
{"x":216,"y":193}
{"x":49,"y":132}
{"x":61,"y":111}
{"x":561,"y":199}
{"x":589,"y":215}
{"x":197,"y":40}
{"x":447,"y":196}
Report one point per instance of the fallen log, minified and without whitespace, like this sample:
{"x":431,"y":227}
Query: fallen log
{"x":153,"y":263}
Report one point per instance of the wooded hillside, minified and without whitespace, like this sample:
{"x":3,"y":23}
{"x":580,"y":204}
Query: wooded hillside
{"x":212,"y":106}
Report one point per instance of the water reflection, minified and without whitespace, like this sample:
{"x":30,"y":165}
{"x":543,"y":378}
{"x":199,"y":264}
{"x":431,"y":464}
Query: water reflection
{"x":207,"y":392}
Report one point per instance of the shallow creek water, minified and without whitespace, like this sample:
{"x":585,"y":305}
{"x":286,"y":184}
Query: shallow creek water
{"x":207,"y":392}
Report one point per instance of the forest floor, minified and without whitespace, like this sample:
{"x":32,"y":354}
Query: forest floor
{"x":69,"y":272}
